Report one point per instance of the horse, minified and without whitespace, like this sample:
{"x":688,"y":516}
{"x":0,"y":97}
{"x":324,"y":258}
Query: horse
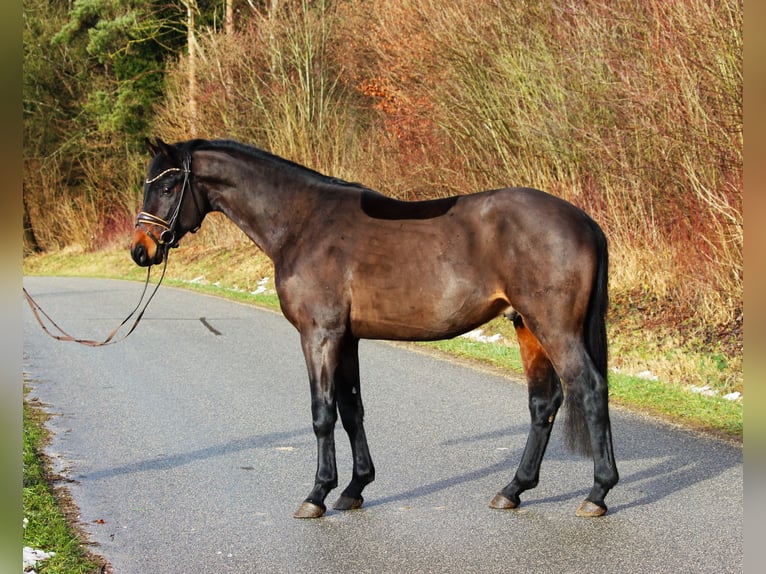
{"x":351,"y":263}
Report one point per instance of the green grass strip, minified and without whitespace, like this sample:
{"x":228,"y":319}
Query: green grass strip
{"x":671,"y":403}
{"x":47,"y":527}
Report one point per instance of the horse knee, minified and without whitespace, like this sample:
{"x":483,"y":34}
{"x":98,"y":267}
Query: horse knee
{"x":324,"y":421}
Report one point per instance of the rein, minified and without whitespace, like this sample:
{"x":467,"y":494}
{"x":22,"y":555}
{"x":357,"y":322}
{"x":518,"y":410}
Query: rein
{"x":110,"y":339}
{"x":164,"y":242}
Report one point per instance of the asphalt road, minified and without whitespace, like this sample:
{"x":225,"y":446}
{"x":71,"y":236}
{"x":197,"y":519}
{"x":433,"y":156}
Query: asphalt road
{"x":188,"y":446}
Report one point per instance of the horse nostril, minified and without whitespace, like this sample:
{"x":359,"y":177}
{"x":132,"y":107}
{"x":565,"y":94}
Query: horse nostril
{"x":139,"y":255}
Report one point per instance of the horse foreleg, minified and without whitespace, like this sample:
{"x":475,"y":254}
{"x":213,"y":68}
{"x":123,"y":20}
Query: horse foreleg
{"x":352,"y":416}
{"x":545,"y":398}
{"x":321,"y":350}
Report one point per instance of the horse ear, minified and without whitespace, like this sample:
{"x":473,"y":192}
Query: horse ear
{"x":158,"y":147}
{"x":151,"y":148}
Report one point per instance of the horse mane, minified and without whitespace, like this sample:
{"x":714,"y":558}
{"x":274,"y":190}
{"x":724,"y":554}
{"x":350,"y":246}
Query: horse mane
{"x":373,"y":203}
{"x":240,"y":149}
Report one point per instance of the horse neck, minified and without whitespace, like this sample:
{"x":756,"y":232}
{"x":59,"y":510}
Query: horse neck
{"x":260,"y":197}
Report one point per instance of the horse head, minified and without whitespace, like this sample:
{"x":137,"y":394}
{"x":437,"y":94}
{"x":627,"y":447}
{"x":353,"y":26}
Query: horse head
{"x":167,"y":213}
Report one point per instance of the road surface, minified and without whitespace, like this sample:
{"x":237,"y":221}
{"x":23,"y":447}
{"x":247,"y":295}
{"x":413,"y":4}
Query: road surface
{"x":188,"y":446}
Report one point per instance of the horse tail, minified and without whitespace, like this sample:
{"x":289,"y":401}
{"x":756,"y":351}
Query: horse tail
{"x":595,"y":320}
{"x":594,"y":334}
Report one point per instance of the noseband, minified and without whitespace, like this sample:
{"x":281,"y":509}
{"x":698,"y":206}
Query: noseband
{"x":167,"y":236}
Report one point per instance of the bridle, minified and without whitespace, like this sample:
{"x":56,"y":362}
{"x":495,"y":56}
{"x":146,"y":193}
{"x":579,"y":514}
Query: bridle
{"x":167,"y":237}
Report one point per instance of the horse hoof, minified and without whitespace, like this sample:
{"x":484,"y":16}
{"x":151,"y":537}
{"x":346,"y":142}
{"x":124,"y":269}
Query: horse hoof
{"x":348,"y":503}
{"x":590,"y":509}
{"x":500,"y":502}
{"x":309,"y":510}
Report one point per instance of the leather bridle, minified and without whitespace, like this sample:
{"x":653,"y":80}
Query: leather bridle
{"x":167,"y":237}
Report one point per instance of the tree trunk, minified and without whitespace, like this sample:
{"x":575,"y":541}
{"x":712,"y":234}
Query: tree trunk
{"x":228,"y":22}
{"x":30,"y":240}
{"x":191,"y":7}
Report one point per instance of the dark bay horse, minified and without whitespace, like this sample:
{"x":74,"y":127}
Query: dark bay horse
{"x":351,"y":263}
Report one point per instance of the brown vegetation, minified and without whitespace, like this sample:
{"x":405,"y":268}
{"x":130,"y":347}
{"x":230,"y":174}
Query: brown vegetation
{"x":631,"y":109}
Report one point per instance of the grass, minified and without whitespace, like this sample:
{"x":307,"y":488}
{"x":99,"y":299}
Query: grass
{"x":677,"y":405}
{"x":47,"y":525}
{"x":235,"y":273}
{"x":671,"y":403}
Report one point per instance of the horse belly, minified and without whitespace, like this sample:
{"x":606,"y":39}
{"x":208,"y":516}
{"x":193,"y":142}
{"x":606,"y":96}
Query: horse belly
{"x":421,"y":305}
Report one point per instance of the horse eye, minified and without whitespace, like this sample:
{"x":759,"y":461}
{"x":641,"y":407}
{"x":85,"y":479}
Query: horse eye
{"x":166,"y":190}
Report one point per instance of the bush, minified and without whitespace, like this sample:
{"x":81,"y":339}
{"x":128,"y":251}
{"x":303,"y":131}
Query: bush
{"x":631,"y":109}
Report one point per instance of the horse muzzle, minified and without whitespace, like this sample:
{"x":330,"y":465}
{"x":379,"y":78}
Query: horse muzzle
{"x":145,"y":248}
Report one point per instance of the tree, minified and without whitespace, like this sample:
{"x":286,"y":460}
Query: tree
{"x":54,"y":125}
{"x":191,"y":43}
{"x":93,"y":72}
{"x":126,"y":45}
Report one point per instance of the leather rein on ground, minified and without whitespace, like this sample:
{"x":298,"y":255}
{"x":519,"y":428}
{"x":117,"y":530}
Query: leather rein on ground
{"x":110,"y":339}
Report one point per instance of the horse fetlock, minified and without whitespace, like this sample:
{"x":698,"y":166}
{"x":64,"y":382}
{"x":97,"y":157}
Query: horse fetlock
{"x":363,"y":476}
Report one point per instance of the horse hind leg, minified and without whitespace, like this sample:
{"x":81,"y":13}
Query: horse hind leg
{"x":588,"y":412}
{"x":351,"y":410}
{"x":588,"y":426}
{"x":545,"y":398}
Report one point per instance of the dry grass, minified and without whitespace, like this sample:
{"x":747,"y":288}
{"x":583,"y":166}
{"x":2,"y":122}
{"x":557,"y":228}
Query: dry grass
{"x":630,"y":109}
{"x":85,"y":204}
{"x":58,"y":220}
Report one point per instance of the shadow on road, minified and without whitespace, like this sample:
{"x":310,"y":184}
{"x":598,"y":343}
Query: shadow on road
{"x":174,"y":460}
{"x":671,"y":464}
